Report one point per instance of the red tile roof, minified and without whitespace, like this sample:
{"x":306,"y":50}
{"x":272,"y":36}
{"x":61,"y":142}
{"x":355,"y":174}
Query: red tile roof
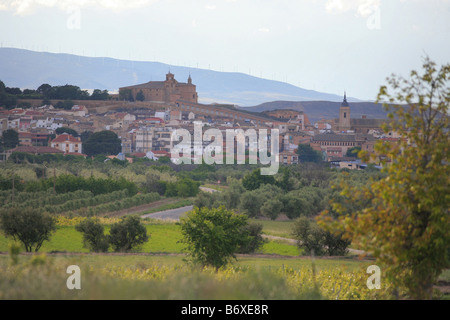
{"x":66,"y":137}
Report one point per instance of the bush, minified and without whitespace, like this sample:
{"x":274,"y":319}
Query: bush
{"x":94,"y":238}
{"x":255,"y":239}
{"x":127,"y":234}
{"x":316,"y":241}
{"x":272,"y":208}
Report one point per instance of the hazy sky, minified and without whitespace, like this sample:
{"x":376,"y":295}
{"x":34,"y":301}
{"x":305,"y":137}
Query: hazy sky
{"x":324,"y":45}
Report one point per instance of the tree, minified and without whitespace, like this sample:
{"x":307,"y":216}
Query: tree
{"x":255,"y":240}
{"x":127,"y":234}
{"x":103,"y":142}
{"x":255,"y":179}
{"x":10,"y":138}
{"x":98,"y":94}
{"x":316,"y":240}
{"x":272,"y":208}
{"x":140,"y":96}
{"x":353,"y":152}
{"x":66,"y":130}
{"x":309,"y":236}
{"x":45,"y":89}
{"x":406,"y":223}
{"x":94,"y":238}
{"x":27,"y":225}
{"x":214,"y":235}
{"x":307,"y":154}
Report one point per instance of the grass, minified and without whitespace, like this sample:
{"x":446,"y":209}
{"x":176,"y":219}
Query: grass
{"x":276,"y":228}
{"x":164,"y":238}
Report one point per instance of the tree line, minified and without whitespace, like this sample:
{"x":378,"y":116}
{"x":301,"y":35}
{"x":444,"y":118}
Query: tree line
{"x":9,"y":96}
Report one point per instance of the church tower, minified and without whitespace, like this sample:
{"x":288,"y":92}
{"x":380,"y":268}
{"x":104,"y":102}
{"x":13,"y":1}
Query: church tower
{"x":344,"y":115}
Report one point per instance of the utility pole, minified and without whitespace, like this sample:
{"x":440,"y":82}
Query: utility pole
{"x":54,"y":180}
{"x":13,"y":178}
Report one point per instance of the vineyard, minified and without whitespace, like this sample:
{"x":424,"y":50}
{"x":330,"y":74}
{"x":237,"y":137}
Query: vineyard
{"x":79,"y":202}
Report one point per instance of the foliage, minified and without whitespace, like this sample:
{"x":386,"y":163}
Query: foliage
{"x":27,"y":225}
{"x":353,"y":152}
{"x":67,"y":130}
{"x":406,"y":222}
{"x":214,"y":235}
{"x":317,"y":241}
{"x":94,"y":238}
{"x":10,"y":139}
{"x":102,"y":142}
{"x":255,"y":179}
{"x":307,"y":154}
{"x":255,"y":241}
{"x":127,"y":234}
{"x":272,"y":208}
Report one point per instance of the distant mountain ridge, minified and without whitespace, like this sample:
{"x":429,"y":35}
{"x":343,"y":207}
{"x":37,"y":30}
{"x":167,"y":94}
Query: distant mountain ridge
{"x":29,"y":69}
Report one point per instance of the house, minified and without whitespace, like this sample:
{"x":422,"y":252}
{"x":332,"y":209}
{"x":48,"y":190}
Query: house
{"x":67,"y":143}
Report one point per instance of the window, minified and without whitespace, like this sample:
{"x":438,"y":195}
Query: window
{"x":345,"y":114}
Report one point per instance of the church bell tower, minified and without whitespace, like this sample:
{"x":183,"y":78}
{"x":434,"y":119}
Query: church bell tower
{"x":344,"y":115}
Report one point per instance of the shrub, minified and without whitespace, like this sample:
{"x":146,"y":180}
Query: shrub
{"x":127,"y":234}
{"x":94,"y":238}
{"x":317,"y":241}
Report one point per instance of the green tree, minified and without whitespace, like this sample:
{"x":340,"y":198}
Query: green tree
{"x":353,"y":152}
{"x":94,"y":237}
{"x":406,"y":223}
{"x":272,"y":208}
{"x":255,"y":179}
{"x":309,"y":236}
{"x":255,"y":240}
{"x":214,"y":235}
{"x":127,"y":234}
{"x":102,"y":142}
{"x":140,"y":96}
{"x":67,"y":130}
{"x":10,"y":139}
{"x":307,"y":154}
{"x":27,"y":225}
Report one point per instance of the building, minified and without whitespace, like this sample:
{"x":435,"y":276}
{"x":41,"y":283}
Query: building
{"x":168,"y":91}
{"x":67,"y":143}
{"x":362,"y":125}
{"x":336,"y":145}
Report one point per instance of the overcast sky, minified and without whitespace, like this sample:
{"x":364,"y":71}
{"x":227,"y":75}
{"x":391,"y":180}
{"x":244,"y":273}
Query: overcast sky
{"x":324,"y":45}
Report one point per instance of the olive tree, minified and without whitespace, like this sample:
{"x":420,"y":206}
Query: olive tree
{"x":28,"y":225}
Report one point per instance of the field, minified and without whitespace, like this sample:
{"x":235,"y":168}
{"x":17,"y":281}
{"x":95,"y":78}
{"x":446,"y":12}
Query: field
{"x":276,"y":272}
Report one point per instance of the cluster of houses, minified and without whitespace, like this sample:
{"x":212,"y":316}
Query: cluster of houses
{"x":146,"y":131}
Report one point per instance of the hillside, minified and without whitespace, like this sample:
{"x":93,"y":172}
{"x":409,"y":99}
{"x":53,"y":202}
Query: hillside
{"x":29,"y":69}
{"x":317,"y":110}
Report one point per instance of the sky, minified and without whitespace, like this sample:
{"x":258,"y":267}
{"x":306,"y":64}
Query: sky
{"x":330,"y":46}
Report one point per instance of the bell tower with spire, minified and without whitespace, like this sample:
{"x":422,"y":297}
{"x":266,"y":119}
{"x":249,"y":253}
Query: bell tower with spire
{"x":344,"y":115}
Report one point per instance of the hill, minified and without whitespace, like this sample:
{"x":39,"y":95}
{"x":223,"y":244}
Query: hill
{"x":317,"y":110}
{"x":29,"y":69}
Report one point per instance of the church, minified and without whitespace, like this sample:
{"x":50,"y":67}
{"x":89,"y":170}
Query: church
{"x":168,"y":91}
{"x":362,"y":125}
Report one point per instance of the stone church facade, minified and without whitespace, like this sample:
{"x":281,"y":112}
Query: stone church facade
{"x":168,"y":91}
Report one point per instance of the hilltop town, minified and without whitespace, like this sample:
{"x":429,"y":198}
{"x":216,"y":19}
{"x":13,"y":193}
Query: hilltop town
{"x":144,"y":116}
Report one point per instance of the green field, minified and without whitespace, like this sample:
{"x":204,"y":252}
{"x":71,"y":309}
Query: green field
{"x":164,"y":238}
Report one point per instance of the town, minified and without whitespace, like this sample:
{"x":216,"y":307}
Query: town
{"x":144,"y":116}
